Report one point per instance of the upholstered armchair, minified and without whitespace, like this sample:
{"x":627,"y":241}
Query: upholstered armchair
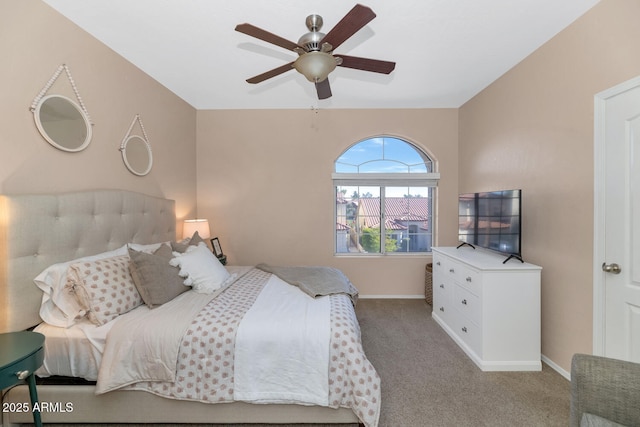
{"x":604,"y":392}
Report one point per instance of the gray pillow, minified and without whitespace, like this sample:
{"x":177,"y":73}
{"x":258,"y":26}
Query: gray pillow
{"x":182,"y":247}
{"x":156,"y":280}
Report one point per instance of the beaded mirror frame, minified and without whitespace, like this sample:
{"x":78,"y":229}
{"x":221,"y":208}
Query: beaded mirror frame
{"x":62,"y":122}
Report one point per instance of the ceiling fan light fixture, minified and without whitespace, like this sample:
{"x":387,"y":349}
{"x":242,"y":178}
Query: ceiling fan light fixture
{"x":315,"y":66}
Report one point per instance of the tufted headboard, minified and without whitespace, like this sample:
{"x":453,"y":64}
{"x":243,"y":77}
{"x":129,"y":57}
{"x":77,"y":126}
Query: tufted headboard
{"x":37,"y":231}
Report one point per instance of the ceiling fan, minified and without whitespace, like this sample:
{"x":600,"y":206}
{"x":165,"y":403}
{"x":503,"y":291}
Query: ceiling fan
{"x":315,"y":49}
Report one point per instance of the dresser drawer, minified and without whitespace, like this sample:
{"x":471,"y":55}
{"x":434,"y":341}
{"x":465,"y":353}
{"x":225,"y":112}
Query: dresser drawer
{"x":443,"y":289}
{"x":468,"y":332}
{"x":440,"y":264}
{"x":467,"y":304}
{"x":451,"y":269}
{"x":470,"y":279}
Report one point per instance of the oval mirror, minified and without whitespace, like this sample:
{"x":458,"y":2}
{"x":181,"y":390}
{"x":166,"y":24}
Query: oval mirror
{"x":136,"y":153}
{"x":62,"y":123}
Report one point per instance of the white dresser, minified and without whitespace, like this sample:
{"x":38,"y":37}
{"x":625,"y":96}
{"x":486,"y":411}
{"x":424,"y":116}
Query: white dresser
{"x":490,"y":309}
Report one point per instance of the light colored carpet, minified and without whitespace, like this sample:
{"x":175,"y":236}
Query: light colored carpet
{"x":427,"y":380}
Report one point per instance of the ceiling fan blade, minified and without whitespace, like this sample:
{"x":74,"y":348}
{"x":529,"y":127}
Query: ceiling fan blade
{"x":324,"y":89}
{"x":367,"y":64}
{"x":353,"y":21}
{"x":259,"y":33}
{"x":271,"y":73}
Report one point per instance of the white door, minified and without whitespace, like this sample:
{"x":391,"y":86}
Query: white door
{"x":617,"y":222}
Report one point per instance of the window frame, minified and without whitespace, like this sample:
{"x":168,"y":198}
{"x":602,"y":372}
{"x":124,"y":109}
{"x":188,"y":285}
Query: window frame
{"x":383,"y":180}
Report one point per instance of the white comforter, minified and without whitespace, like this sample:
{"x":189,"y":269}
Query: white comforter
{"x":286,"y":360}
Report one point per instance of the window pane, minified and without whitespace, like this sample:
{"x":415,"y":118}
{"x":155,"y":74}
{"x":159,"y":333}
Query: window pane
{"x":400,"y":150}
{"x":370,"y":149}
{"x":369,"y":238}
{"x":346,"y":168}
{"x":408,"y":219}
{"x":357,"y":219}
{"x":384,"y":166}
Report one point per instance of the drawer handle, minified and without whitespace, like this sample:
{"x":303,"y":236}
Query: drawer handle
{"x":464,"y":301}
{"x":22,"y":374}
{"x":441,"y":286}
{"x":442,"y":309}
{"x":464,"y":329}
{"x":438,"y":263}
{"x":451,"y":270}
{"x":469,"y":279}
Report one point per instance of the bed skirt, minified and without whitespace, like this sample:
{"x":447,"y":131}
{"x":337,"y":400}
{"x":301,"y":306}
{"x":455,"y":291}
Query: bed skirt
{"x":141,"y":407}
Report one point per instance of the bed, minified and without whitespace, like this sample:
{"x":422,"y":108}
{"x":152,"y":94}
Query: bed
{"x":40,"y":231}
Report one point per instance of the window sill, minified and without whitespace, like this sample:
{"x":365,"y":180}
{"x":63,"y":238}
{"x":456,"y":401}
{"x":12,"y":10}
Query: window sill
{"x":389,"y":255}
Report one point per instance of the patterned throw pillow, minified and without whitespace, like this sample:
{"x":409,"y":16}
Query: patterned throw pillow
{"x":104,"y":288}
{"x":59,"y":305}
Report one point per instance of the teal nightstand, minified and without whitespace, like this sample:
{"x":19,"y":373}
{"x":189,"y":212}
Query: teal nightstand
{"x":21,"y":353}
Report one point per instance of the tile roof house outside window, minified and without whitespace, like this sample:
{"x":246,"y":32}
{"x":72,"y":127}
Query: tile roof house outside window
{"x":406,"y":220}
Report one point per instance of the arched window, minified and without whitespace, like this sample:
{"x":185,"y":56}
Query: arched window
{"x":384,"y":198}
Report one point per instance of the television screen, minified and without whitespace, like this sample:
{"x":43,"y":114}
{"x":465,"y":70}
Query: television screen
{"x":491,"y":220}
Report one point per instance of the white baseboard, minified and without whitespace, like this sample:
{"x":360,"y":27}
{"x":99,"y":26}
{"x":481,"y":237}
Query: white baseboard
{"x":556,"y":368}
{"x":391,"y":296}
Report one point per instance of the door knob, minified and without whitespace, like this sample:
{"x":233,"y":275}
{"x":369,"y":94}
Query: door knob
{"x":611,"y":268}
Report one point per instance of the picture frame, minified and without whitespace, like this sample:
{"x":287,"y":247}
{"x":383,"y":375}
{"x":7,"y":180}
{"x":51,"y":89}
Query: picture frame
{"x":217,"y":249}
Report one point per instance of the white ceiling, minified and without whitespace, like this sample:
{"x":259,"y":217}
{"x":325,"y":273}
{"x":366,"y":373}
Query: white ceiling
{"x":446,"y":51}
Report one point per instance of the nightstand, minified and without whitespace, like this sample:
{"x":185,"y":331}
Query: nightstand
{"x":21,"y":353}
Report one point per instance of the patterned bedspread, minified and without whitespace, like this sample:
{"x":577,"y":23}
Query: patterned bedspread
{"x":205,"y":370}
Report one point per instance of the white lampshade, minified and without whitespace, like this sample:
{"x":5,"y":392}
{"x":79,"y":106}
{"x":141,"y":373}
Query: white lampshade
{"x":315,"y":66}
{"x":190,"y":226}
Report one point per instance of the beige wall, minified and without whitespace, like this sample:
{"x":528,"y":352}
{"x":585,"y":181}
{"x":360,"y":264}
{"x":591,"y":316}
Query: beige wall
{"x":533,"y":129}
{"x":264,"y":182}
{"x":34,"y":41}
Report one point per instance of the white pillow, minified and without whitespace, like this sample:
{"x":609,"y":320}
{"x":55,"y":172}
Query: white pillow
{"x":201,"y":269}
{"x":59,"y":306}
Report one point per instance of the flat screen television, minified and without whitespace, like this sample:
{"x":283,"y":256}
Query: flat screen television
{"x":491,"y":220}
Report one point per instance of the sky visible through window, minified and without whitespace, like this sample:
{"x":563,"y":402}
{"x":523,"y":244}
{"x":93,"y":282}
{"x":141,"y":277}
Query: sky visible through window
{"x":383,"y":155}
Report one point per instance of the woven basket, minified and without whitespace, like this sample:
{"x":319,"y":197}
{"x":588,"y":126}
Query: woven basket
{"x":428,"y":283}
